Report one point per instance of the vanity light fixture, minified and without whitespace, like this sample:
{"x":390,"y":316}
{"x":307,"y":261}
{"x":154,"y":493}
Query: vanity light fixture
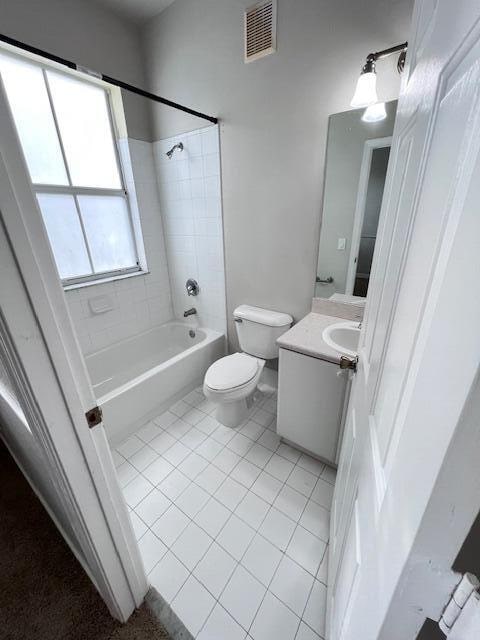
{"x":366,"y":91}
{"x":375,"y":112}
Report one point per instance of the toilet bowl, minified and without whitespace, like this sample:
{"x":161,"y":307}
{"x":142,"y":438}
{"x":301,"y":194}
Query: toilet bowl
{"x":230,"y":382}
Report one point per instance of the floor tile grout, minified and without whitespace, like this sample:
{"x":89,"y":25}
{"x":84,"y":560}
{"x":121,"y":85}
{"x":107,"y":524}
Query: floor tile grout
{"x":270,"y":504}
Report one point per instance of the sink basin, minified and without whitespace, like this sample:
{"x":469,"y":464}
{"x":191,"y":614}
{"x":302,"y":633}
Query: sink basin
{"x":343,"y":337}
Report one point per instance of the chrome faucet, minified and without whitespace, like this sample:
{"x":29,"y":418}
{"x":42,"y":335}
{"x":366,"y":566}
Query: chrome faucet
{"x":192,"y":287}
{"x":189,"y":312}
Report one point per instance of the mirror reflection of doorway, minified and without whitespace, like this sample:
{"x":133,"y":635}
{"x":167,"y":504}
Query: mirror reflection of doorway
{"x":356,"y":163}
{"x":369,"y":203}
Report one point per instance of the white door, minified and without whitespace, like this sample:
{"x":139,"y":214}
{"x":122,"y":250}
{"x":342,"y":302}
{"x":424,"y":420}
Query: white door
{"x":420,"y":343}
{"x":53,"y":384}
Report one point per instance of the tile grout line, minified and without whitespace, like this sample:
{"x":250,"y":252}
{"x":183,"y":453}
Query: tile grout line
{"x":212,"y":495}
{"x":276,"y":569}
{"x":239,"y":562}
{"x":232,"y":512}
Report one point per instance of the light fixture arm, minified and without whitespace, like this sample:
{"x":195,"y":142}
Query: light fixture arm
{"x":384,"y":53}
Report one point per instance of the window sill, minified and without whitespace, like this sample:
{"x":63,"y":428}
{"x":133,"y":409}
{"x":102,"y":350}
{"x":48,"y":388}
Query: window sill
{"x":92,"y":283}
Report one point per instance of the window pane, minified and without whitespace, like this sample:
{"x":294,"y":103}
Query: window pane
{"x":84,"y":123}
{"x":65,"y":234}
{"x":108,"y":230}
{"x":27,"y":94}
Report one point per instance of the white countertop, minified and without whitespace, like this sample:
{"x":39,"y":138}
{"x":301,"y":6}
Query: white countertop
{"x":306,"y":337}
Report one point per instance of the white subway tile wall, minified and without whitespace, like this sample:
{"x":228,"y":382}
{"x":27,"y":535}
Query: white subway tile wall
{"x":190,"y":195}
{"x":139,"y":302}
{"x":182,"y":238}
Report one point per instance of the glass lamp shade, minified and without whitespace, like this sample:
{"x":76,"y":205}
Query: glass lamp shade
{"x":366,"y":91}
{"x":375,"y":113}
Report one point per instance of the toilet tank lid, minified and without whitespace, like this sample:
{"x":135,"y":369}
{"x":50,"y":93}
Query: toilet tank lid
{"x":263,"y":316}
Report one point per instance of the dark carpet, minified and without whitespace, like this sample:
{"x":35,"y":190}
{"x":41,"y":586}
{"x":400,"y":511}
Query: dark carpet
{"x":44,"y":592}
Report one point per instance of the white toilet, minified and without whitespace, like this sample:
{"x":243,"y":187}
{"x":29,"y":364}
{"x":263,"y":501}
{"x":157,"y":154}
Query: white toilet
{"x":231,"y":381}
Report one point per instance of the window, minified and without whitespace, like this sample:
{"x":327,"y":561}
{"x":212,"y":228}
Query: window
{"x":65,"y":129}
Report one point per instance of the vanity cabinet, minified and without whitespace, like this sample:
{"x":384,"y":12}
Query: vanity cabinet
{"x":311,"y":400}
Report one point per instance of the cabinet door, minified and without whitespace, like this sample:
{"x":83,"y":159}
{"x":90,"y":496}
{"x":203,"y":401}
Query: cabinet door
{"x":310,"y":403}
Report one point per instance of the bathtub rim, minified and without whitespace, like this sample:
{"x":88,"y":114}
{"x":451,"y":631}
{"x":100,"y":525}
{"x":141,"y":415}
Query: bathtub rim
{"x":210,"y":336}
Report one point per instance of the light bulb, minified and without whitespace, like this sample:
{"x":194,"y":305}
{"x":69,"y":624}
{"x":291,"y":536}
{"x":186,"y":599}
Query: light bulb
{"x":375,"y":113}
{"x":366,"y":91}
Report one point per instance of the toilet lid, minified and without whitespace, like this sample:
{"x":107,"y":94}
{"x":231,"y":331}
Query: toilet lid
{"x":231,"y":371}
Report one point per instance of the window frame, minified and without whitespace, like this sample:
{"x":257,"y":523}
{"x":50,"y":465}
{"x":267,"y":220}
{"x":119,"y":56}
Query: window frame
{"x":75,"y":191}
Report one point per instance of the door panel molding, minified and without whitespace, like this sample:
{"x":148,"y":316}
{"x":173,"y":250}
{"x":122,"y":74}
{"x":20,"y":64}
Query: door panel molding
{"x":425,"y":25}
{"x":341,"y":502}
{"x":449,"y":83}
{"x":347,"y":578}
{"x":398,"y":231}
{"x":402,"y":157}
{"x":377,"y":466}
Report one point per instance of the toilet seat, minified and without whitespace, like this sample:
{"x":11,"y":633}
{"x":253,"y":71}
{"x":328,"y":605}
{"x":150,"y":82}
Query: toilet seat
{"x":231,"y":372}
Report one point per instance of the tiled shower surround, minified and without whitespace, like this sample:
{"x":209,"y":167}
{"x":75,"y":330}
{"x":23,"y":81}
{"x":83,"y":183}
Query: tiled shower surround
{"x":190,"y":196}
{"x":141,"y":301}
{"x":232,"y":524}
{"x":182,"y":236}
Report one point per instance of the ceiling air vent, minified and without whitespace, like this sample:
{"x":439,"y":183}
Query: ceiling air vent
{"x":260,"y":30}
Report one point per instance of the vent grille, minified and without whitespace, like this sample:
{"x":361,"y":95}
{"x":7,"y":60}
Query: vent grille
{"x":260,"y":30}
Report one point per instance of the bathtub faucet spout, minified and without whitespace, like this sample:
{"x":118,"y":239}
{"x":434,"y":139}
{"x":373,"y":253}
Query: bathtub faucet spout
{"x":189,"y":312}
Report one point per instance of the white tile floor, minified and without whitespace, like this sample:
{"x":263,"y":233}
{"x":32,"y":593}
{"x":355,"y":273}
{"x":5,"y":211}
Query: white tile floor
{"x":232,"y":525}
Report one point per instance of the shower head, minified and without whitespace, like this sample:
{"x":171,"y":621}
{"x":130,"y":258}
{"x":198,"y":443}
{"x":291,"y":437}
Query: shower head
{"x":178,"y":146}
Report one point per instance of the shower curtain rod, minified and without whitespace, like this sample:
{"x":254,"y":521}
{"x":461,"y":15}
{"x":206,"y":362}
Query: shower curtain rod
{"x":105,"y":78}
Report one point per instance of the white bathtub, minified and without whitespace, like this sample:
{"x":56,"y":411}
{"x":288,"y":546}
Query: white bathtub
{"x":137,"y":378}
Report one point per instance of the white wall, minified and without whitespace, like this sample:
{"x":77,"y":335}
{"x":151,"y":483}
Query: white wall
{"x":142,"y":301}
{"x":192,"y":213}
{"x":87,"y":34}
{"x":274,"y":121}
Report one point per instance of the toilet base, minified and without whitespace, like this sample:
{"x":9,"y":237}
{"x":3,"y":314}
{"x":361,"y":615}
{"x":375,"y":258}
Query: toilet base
{"x":232,"y":414}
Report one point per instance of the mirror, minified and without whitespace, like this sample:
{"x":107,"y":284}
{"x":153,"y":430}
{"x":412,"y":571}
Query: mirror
{"x":355,"y":171}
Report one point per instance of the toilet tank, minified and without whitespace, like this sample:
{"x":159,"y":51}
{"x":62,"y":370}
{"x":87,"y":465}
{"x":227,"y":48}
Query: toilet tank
{"x":258,"y":330}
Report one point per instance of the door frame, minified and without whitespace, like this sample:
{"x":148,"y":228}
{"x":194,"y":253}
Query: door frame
{"x":368,"y":149}
{"x":55,"y":390}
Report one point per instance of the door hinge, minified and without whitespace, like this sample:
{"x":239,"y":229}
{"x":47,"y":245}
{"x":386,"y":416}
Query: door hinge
{"x":349,"y":363}
{"x":467,"y":625}
{"x":94,"y":417}
{"x":456,"y":606}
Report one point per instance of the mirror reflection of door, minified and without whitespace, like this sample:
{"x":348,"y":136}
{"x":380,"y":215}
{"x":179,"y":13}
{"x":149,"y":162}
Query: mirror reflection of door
{"x":355,"y":171}
{"x":368,"y":211}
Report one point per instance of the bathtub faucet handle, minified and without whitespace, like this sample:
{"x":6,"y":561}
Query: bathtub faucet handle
{"x":189,"y":312}
{"x":192,"y":287}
